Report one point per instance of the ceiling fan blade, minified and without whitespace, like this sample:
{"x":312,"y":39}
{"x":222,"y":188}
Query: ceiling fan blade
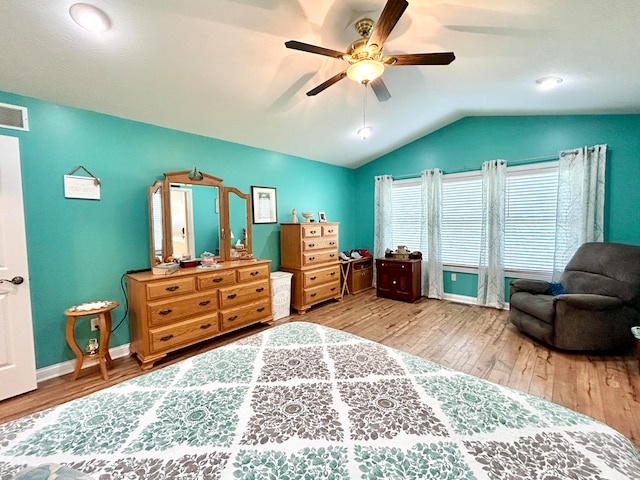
{"x":380,"y":89}
{"x":327,"y":84}
{"x":390,"y":15}
{"x":305,"y":47}
{"x":444,"y":58}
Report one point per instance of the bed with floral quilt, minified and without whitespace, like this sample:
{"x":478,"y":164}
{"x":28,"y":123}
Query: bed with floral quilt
{"x":303,"y":401}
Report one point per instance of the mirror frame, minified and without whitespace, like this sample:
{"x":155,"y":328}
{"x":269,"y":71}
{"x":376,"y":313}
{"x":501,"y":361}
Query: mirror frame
{"x":195,"y":177}
{"x":226,"y":221}
{"x":153,"y":189}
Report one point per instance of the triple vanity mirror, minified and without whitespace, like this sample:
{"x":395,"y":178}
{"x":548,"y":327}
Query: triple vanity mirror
{"x":191,"y":212}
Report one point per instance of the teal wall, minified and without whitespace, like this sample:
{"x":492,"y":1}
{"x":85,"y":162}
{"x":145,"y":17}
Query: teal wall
{"x":79,"y":249}
{"x":465,"y":144}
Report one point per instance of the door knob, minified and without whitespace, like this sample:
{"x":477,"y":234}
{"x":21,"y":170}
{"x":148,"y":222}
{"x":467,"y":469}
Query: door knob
{"x":14,"y":280}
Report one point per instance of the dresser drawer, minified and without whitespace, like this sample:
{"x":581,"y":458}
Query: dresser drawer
{"x":171,"y":310}
{"x":318,"y":277}
{"x":329,"y":230}
{"x":216,"y":279}
{"x":245,"y":314}
{"x":320,"y":243}
{"x":396,"y":266}
{"x":323,"y":256}
{"x":258,"y":272}
{"x":183,"y":333}
{"x":310,"y":231}
{"x":177,"y":286}
{"x":317,"y":294}
{"x":243,"y":293}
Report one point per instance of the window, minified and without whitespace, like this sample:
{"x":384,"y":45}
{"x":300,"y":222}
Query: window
{"x":461,"y":219}
{"x":406,"y":214}
{"x":530,"y":219}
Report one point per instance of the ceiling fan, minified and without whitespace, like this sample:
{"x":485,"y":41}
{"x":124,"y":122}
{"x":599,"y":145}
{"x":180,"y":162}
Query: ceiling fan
{"x":367,"y":62}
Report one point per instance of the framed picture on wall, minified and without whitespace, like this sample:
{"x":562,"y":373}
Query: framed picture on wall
{"x":264,"y":203}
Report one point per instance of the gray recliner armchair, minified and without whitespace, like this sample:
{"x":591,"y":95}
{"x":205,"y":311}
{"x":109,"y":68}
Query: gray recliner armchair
{"x":597,"y":303}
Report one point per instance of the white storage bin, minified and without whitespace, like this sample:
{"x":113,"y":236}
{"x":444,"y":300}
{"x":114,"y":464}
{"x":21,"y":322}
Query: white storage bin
{"x":281,"y":294}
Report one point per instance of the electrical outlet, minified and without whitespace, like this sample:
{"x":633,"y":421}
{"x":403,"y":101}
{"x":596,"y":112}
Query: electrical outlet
{"x":454,"y":277}
{"x":94,"y":324}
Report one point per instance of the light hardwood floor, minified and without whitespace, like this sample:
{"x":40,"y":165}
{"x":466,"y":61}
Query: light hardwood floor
{"x":476,"y":340}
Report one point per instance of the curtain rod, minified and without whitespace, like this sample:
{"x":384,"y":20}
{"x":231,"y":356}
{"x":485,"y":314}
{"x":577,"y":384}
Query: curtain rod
{"x":519,"y":161}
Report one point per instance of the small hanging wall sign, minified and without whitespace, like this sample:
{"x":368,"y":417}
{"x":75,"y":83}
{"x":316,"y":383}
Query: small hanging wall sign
{"x":81,"y":187}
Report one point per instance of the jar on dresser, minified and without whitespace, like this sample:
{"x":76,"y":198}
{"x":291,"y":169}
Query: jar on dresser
{"x":169,"y":312}
{"x":309,"y":251}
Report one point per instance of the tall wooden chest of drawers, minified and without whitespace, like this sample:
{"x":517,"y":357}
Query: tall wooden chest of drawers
{"x":398,"y":279}
{"x":168,"y":312}
{"x":309,"y":251}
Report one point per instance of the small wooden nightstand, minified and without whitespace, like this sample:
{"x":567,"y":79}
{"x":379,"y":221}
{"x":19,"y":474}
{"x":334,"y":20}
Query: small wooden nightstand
{"x":356,"y":275}
{"x":398,"y":279}
{"x":104,"y":322}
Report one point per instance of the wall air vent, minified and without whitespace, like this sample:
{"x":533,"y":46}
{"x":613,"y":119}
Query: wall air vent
{"x":13,"y":116}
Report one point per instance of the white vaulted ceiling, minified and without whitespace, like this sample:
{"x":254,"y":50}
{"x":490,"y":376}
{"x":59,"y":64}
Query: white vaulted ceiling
{"x":219,"y":68}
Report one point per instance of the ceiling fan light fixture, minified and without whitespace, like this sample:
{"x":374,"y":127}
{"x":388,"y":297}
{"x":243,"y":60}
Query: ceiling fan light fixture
{"x":365,"y":71}
{"x":90,"y":17}
{"x":547,"y":83}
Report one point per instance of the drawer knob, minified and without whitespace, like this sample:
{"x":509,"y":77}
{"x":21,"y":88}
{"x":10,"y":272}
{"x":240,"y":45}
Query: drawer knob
{"x":332,"y":273}
{"x":333,"y":289}
{"x":232,"y":318}
{"x":204,"y":303}
{"x":261,"y":309}
{"x":217,"y":280}
{"x":313,"y":231}
{"x":173,"y":288}
{"x":253,"y":274}
{"x":313,"y":278}
{"x":330,"y":230}
{"x":231,"y":296}
{"x":311,"y":245}
{"x":261,"y":289}
{"x":332,"y":255}
{"x":332,"y":243}
{"x":311,"y":259}
{"x":165,"y":312}
{"x":313,"y":294}
{"x":205,"y":326}
{"x":166,"y":337}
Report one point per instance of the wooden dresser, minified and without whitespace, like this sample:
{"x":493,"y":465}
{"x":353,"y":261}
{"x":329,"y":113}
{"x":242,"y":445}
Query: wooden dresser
{"x":168,"y":312}
{"x":309,"y":251}
{"x":398,"y":279}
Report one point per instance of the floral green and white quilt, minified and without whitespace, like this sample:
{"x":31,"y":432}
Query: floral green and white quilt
{"x":302,"y":401}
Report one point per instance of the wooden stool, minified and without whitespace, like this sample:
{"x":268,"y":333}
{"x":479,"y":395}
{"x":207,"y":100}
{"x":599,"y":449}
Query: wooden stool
{"x":104,"y":321}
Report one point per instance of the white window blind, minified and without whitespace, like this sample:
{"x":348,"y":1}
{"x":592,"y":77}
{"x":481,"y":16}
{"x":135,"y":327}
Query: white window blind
{"x":461,"y":219}
{"x":530,"y":218}
{"x":406,"y":215}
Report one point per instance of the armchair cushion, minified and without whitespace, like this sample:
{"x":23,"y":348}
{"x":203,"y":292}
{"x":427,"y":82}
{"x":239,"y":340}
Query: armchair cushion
{"x":537,"y":305}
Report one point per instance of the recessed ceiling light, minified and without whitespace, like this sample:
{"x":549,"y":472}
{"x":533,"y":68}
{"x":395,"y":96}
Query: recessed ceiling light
{"x":90,"y":17}
{"x":547,"y":83}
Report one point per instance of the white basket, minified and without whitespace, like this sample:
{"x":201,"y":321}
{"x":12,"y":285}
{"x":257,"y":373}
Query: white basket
{"x":281,"y":294}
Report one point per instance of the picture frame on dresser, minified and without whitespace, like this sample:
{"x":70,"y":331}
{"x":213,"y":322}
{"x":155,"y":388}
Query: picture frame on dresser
{"x":322,"y":217}
{"x":264,"y":204}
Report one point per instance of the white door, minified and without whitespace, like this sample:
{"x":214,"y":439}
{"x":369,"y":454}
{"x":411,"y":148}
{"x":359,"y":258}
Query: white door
{"x":17,"y":358}
{"x":181,"y":222}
